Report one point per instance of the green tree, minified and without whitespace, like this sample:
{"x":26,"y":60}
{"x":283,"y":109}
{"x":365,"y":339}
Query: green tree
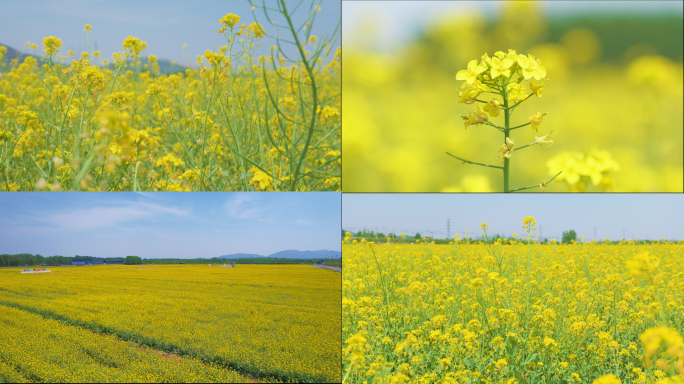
{"x":568,"y":236}
{"x":417,"y":236}
{"x":132,"y":260}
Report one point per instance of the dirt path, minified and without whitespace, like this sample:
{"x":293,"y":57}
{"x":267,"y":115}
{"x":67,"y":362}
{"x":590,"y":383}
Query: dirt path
{"x":325,"y":266}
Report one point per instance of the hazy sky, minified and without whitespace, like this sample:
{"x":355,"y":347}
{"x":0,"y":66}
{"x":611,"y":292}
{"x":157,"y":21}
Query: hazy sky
{"x":652,"y":215}
{"x":393,"y":22}
{"x":168,"y":224}
{"x":164,"y":24}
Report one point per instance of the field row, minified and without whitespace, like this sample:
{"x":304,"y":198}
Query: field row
{"x":46,"y":350}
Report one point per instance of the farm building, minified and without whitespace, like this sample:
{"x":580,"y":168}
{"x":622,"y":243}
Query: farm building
{"x":86,"y":261}
{"x":95,"y":261}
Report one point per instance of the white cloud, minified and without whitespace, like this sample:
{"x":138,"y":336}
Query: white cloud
{"x":102,"y":217}
{"x":245,"y":206}
{"x":149,"y":195}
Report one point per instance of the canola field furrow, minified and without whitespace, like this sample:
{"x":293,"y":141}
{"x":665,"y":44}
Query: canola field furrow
{"x":9,"y":373}
{"x":285,"y":324}
{"x":37,"y":349}
{"x":507,"y":312}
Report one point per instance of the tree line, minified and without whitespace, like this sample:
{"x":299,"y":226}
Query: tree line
{"x":27,"y":259}
{"x":255,"y":260}
{"x":568,"y":237}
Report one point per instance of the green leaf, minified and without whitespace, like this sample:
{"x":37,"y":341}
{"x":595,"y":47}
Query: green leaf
{"x":530,"y":359}
{"x":521,"y":379}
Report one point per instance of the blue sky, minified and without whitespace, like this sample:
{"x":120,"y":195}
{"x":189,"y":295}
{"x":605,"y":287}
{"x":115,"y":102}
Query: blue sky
{"x":646,"y":215}
{"x":168,"y":224}
{"x":165,"y":25}
{"x":395,"y":22}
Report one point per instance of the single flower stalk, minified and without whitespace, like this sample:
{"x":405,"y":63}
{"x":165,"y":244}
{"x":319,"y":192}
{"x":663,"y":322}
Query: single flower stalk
{"x":504,"y":75}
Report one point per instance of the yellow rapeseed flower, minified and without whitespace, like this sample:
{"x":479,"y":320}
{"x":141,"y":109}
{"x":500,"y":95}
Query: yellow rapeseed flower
{"x":52,"y":46}
{"x":230,"y":20}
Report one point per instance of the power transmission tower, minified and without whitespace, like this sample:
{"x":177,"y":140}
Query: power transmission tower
{"x":448,"y":229}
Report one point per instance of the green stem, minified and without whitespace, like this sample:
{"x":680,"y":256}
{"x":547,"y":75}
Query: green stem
{"x":543,"y":183}
{"x":314,"y":98}
{"x":506,"y":167}
{"x":527,"y":301}
{"x":384,"y":285}
{"x":214,"y":84}
{"x":524,"y":146}
{"x":472,"y":162}
{"x":136,"y":186}
{"x":495,"y":126}
{"x":116,"y":74}
{"x":66,"y":113}
{"x":520,"y":126}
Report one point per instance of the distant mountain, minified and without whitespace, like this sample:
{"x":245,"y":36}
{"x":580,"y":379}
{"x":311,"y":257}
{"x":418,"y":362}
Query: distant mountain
{"x":240,"y":256}
{"x":165,"y":66}
{"x":294,"y":254}
{"x":13,"y":54}
{"x":290,"y":254}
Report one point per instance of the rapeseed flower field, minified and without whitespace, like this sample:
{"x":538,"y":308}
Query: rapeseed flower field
{"x":236,"y":123}
{"x":513,"y":312}
{"x":171,"y":323}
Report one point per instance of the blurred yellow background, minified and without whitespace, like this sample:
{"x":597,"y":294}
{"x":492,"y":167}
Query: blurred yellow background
{"x":614,"y":99}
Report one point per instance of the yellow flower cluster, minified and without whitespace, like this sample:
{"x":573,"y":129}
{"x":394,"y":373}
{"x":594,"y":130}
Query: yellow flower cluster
{"x":581,"y":170}
{"x":496,"y":72}
{"x":216,"y":59}
{"x":133,"y":46}
{"x":458,"y":313}
{"x":267,"y":321}
{"x":256,"y":29}
{"x":261,"y":180}
{"x":52,"y":46}
{"x":670,"y":342}
{"x":230,"y":20}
